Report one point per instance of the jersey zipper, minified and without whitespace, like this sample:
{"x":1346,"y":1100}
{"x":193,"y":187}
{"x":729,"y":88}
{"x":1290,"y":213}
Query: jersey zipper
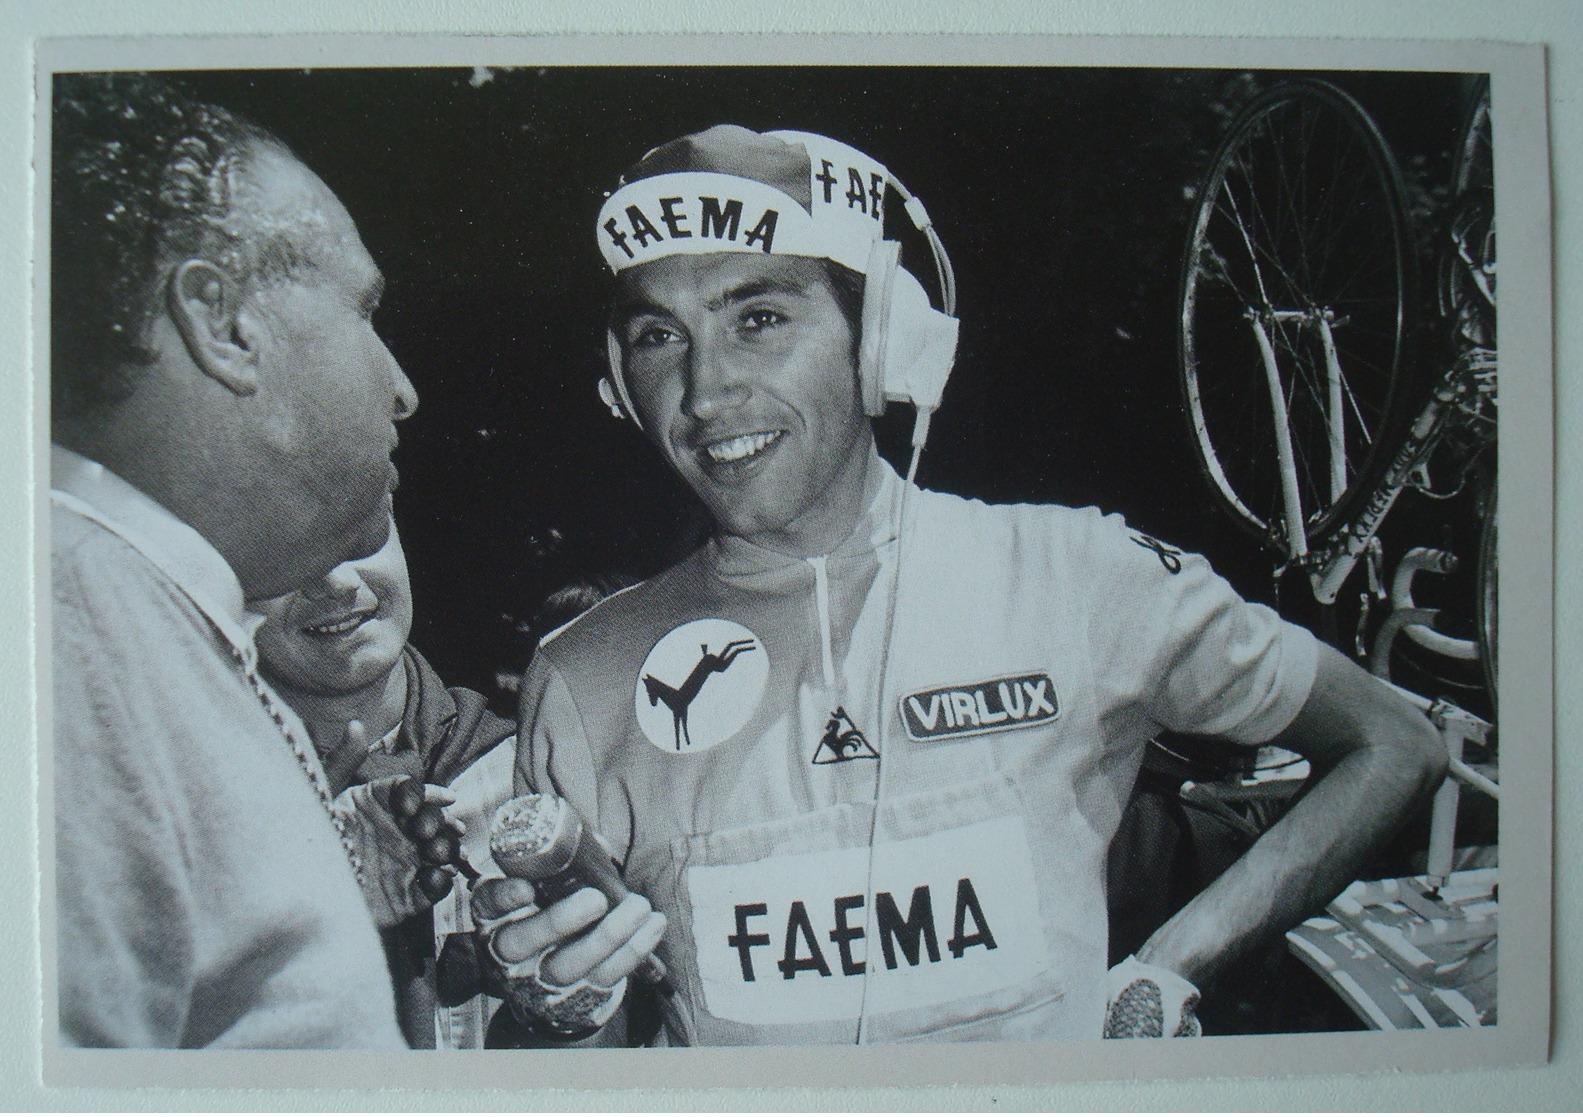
{"x":821,"y":593}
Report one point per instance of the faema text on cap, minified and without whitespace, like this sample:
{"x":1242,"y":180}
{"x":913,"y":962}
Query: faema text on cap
{"x":728,"y":189}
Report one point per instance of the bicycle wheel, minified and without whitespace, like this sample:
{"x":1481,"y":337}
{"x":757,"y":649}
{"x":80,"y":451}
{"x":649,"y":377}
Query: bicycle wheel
{"x":1475,"y":166}
{"x":1301,"y":225}
{"x":1467,"y":265}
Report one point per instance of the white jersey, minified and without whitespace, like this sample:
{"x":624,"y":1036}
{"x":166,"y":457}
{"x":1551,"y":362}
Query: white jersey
{"x":723,"y":726}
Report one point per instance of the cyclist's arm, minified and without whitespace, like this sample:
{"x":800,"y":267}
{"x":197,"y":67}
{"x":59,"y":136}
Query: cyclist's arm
{"x":1375,"y":759}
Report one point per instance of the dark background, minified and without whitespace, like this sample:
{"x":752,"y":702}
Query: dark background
{"x":1063,"y":195}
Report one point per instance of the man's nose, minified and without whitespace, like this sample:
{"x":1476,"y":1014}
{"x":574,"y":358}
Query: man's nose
{"x":717,"y":379}
{"x":342,"y":583}
{"x":406,"y":394}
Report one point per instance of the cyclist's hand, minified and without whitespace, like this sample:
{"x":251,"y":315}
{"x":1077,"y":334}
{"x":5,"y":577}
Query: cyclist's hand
{"x":1150,"y":1002}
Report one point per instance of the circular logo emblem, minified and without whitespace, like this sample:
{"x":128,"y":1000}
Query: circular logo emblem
{"x":700,"y":684}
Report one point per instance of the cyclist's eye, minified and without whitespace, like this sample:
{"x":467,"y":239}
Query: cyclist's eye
{"x":761,"y":318}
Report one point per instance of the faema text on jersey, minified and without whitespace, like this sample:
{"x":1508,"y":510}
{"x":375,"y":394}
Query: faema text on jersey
{"x":786,"y":940}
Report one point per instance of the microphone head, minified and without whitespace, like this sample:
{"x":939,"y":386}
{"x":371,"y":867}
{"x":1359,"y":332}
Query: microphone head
{"x":534,"y":836}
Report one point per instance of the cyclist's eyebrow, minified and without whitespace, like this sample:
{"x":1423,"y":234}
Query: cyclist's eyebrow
{"x":754,"y":288}
{"x":637,"y":306}
{"x":630,"y":308}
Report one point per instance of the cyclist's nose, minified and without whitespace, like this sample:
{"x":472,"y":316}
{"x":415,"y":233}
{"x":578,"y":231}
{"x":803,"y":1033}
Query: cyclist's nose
{"x":406,"y":399}
{"x":717,"y":379}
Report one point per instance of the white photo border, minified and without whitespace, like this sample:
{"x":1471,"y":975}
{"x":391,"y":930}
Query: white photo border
{"x":1527,"y":483}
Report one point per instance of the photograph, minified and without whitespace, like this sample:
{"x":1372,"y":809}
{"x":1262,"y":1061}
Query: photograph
{"x":554,"y":554}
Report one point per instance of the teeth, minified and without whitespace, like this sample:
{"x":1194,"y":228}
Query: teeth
{"x":743,"y":446}
{"x":339,"y":626}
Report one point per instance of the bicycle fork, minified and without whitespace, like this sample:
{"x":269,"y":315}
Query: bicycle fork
{"x":1335,"y":418}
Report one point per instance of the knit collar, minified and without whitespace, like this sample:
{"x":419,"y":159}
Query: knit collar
{"x":175,"y":548}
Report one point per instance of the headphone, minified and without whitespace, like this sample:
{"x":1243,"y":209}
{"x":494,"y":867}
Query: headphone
{"x":907,"y":346}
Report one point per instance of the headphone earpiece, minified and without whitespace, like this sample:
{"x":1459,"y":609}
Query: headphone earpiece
{"x":884,"y":260}
{"x":908,"y":346}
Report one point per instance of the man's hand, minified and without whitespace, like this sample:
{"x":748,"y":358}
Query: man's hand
{"x":566,"y":964}
{"x":405,"y":843}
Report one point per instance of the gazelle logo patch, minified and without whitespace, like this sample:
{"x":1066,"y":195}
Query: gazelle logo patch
{"x":700,"y":684}
{"x":988,"y":707}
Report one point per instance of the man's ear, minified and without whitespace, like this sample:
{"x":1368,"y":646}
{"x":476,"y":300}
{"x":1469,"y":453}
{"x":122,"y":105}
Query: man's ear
{"x":205,"y":304}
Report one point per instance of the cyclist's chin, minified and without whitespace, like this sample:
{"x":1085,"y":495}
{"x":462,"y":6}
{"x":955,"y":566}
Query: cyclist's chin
{"x":757,"y":521}
{"x":763,"y":511}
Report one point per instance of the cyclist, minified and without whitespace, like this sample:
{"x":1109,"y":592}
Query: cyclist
{"x":866,"y":748}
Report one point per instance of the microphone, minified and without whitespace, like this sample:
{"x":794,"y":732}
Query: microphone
{"x":542,"y":839}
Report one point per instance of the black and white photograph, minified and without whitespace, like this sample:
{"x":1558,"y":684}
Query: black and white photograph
{"x":550,"y":553}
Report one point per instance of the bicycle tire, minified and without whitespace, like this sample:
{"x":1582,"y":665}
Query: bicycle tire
{"x":1475,"y":165}
{"x":1303,"y":211}
{"x":1468,"y":261}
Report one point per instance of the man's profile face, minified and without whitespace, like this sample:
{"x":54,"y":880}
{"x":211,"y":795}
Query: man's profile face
{"x":343,"y":633}
{"x":330,"y":389}
{"x":741,"y":368}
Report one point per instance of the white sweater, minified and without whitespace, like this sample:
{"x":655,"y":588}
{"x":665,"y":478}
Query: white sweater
{"x":202,"y":895}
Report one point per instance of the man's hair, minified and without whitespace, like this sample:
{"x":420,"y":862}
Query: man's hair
{"x":142,"y":177}
{"x":846,"y":286}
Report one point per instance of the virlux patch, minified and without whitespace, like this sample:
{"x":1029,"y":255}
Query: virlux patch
{"x":1010,"y":702}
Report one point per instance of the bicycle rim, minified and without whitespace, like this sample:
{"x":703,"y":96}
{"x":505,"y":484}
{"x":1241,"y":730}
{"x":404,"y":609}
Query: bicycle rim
{"x":1468,"y":265}
{"x":1475,"y":166}
{"x":1302,"y":217}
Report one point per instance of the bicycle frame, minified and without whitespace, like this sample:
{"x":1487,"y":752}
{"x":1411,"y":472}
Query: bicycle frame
{"x":1329,"y":567}
{"x":1463,"y":383}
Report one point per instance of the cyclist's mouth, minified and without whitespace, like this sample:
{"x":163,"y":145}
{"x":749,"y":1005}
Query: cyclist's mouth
{"x":739,"y":455}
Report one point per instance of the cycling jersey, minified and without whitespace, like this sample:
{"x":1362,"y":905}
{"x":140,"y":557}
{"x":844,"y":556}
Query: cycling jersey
{"x":723,"y":726}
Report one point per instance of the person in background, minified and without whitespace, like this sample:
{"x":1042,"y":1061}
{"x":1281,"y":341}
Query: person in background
{"x":559,"y":607}
{"x":337,"y":652}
